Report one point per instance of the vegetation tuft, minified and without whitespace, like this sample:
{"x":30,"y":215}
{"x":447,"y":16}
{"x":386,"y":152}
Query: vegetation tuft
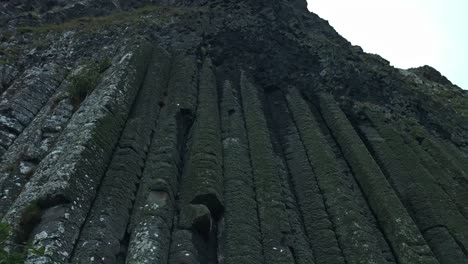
{"x":454,"y":99}
{"x":9,"y":55}
{"x":84,"y":82}
{"x":151,"y":14}
{"x":14,"y":257}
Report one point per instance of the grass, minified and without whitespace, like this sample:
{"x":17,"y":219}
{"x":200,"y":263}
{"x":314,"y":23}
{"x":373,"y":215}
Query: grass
{"x":7,"y":257}
{"x":460,"y":104}
{"x":447,"y":96}
{"x":14,"y":257}
{"x":84,"y":82}
{"x":9,"y":55}
{"x":454,"y":100}
{"x":152,"y":14}
{"x":6,"y":36}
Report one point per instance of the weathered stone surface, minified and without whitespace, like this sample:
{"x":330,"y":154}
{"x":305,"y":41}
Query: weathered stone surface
{"x":24,"y":99}
{"x":412,"y":183}
{"x":400,"y":230}
{"x":150,"y":236}
{"x":296,"y":238}
{"x":102,"y":235}
{"x":221,"y":132}
{"x":65,"y":182}
{"x":153,"y":214}
{"x":195,"y":217}
{"x":274,"y":223}
{"x":241,"y":239}
{"x":340,"y":192}
{"x":35,"y":142}
{"x":203,"y":181}
{"x":183,"y":248}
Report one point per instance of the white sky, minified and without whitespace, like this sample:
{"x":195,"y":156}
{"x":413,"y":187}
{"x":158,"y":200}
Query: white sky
{"x":408,"y":33}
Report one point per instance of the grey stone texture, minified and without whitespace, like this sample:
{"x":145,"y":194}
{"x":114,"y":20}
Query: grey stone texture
{"x":221,"y":132}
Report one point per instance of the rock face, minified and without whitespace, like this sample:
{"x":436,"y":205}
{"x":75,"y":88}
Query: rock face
{"x":222,"y":132}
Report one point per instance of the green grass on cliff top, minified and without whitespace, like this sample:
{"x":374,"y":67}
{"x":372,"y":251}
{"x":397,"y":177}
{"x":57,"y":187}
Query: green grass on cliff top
{"x":152,"y":14}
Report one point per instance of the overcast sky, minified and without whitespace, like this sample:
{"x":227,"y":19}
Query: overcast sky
{"x":408,"y":33}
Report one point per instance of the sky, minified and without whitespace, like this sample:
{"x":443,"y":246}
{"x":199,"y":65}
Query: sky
{"x":408,"y":33}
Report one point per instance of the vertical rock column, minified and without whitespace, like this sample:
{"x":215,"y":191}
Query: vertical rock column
{"x":280,"y":123}
{"x":203,"y":182}
{"x":449,"y":157}
{"x":18,"y":164}
{"x":296,"y":239}
{"x":272,"y":212}
{"x":242,"y":239}
{"x":308,"y":150}
{"x":451,"y":154}
{"x":24,"y":99}
{"x":152,"y":217}
{"x":201,"y":195}
{"x":445,"y":173}
{"x":54,"y":204}
{"x":400,"y":230}
{"x":102,"y":235}
{"x":434,"y":212}
{"x":317,"y":222}
{"x":151,"y":221}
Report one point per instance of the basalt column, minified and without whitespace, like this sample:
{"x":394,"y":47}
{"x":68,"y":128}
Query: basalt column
{"x":242,"y":239}
{"x":426,"y":200}
{"x":399,"y":228}
{"x":153,"y":215}
{"x":102,"y":237}
{"x":274,"y":223}
{"x":342,"y":198}
{"x":220,"y":132}
{"x":200,"y":203}
{"x":54,"y":204}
